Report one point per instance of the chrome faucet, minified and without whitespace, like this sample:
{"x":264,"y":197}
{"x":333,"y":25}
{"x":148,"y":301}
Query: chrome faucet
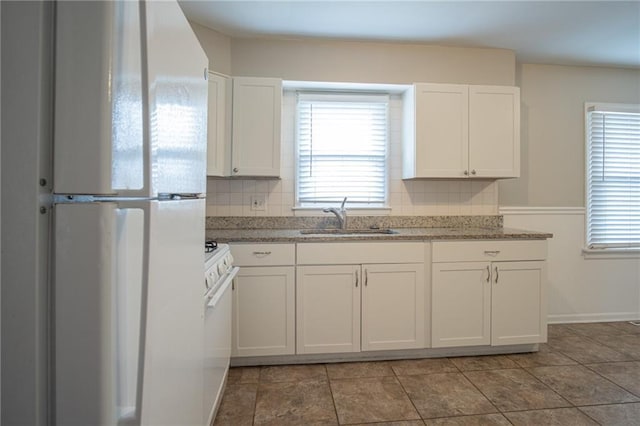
{"x":341,"y":214}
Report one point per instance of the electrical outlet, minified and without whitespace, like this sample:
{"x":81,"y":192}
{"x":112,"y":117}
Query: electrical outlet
{"x":258,"y":203}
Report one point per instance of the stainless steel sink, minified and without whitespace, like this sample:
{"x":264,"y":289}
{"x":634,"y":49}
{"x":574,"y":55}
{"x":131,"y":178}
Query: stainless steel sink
{"x":348,"y":231}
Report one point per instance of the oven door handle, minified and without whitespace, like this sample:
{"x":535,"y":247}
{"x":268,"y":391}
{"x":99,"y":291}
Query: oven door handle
{"x":223,"y":287}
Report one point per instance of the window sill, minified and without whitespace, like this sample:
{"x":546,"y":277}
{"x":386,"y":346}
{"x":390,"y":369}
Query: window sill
{"x":351,"y":211}
{"x":612,"y":253}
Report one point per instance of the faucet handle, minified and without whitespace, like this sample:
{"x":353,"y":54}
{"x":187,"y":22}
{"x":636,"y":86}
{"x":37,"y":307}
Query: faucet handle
{"x":343,"y":202}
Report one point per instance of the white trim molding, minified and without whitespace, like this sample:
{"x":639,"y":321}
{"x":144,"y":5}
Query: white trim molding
{"x":526,"y":210}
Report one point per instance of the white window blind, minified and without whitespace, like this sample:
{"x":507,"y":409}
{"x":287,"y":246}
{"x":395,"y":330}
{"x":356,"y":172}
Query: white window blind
{"x":613,"y":176}
{"x":342,"y":148}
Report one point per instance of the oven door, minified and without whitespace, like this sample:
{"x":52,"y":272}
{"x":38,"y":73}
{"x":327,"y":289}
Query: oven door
{"x":217,"y":343}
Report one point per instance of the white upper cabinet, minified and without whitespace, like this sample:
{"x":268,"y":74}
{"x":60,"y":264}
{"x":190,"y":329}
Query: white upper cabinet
{"x":257,"y":105}
{"x":494,"y":131}
{"x":244,"y":126}
{"x":436,"y":131}
{"x":461,"y":131}
{"x":219,"y":126}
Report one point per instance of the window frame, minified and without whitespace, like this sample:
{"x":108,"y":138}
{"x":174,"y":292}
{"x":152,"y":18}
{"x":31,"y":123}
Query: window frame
{"x":346,"y":90}
{"x":603,"y":250}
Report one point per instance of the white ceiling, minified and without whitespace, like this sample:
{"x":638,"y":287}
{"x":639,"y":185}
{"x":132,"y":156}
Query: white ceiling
{"x":603,"y":33}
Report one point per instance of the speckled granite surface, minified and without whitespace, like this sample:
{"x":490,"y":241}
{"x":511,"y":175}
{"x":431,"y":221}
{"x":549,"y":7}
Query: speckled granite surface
{"x":353,"y":222}
{"x":279,"y":229}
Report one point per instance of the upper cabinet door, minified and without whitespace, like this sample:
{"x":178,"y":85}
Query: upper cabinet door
{"x":219,"y":125}
{"x":494,"y":131}
{"x":98,"y":119}
{"x":461,"y":131}
{"x":177,"y":76}
{"x":441,"y":130}
{"x":257,"y":105}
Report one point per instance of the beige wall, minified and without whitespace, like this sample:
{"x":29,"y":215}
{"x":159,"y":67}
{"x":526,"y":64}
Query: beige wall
{"x":552,"y":141}
{"x":352,"y":61}
{"x":370,"y":62}
{"x":217,"y":46}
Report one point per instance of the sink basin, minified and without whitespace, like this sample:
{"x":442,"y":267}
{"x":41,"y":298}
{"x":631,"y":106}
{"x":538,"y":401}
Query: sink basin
{"x":348,"y":231}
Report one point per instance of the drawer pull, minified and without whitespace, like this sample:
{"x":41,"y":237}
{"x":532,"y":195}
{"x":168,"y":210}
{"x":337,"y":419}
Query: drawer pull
{"x":493,"y":253}
{"x":262,"y":253}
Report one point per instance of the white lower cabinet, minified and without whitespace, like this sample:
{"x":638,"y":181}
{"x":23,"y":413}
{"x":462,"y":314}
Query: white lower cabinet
{"x":488,"y":302}
{"x":518,"y":308}
{"x":393,"y":308}
{"x":360,"y":296}
{"x":461,"y":304}
{"x":263,"y":300}
{"x":328,"y":309}
{"x":263,"y":311}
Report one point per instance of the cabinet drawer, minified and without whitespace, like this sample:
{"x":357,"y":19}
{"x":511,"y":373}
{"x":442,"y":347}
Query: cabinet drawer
{"x":348,"y":253}
{"x":477,"y":251}
{"x":263,"y":254}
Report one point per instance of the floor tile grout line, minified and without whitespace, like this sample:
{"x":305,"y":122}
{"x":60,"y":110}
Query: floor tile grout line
{"x":255,"y":403}
{"x":611,"y":381}
{"x":482,"y":393}
{"x":408,"y":396}
{"x":333,"y":399}
{"x":552,"y":389}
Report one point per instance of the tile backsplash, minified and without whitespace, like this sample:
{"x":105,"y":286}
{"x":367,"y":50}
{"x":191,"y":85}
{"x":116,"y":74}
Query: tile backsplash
{"x":232,"y":197}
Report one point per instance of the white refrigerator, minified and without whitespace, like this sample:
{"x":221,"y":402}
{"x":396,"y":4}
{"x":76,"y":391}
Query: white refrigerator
{"x":130,"y":115}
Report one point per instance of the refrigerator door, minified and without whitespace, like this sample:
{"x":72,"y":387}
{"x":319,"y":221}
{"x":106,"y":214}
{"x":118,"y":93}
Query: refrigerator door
{"x":173,"y":383}
{"x":99,"y":293}
{"x":178,"y":88}
{"x":128,"y":313}
{"x":98,"y":122}
{"x":130,"y":100}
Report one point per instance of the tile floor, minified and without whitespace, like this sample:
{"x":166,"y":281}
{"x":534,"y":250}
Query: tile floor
{"x":587,"y":374}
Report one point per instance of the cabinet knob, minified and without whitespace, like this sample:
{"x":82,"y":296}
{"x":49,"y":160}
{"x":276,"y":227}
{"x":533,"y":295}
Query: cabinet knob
{"x":466,"y":172}
{"x":235,"y":170}
{"x":473,"y":172}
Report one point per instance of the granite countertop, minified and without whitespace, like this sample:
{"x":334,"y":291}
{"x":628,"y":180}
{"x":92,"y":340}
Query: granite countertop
{"x":402,"y":234}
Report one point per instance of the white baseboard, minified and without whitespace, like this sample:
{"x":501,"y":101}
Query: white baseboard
{"x":605,"y":317}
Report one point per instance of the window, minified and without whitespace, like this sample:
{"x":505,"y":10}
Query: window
{"x":613,"y":176}
{"x":341,"y":149}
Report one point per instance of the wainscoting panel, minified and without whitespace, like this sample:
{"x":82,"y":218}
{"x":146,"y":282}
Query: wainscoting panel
{"x":581,"y":289}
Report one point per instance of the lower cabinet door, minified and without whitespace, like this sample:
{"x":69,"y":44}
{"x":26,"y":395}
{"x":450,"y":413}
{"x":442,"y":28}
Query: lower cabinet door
{"x":461,"y":304}
{"x":264,"y":311}
{"x":518,"y":308}
{"x":328,"y":309}
{"x":393,"y":306}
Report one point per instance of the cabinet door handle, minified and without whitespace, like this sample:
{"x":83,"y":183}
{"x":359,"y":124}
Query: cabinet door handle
{"x":356,"y":278}
{"x":366,"y":277}
{"x":497,"y":275}
{"x":262,"y":253}
{"x":488,"y":273}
